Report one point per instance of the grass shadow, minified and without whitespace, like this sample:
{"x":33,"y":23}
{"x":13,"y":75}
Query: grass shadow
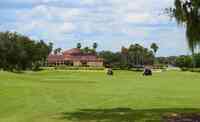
{"x":127,"y":115}
{"x":22,"y":71}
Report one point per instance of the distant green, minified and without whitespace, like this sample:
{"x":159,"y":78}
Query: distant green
{"x":71,"y":96}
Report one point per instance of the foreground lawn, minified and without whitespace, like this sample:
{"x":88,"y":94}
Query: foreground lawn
{"x":66,"y":96}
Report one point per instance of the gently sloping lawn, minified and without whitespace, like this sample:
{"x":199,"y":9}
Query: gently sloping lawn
{"x":67,"y":96}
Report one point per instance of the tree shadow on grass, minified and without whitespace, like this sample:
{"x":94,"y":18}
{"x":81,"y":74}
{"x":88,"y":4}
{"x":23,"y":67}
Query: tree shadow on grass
{"x":129,"y":115}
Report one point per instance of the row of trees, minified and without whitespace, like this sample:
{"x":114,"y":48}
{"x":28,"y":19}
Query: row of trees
{"x":187,"y":61}
{"x":183,"y":61}
{"x":133,"y":56}
{"x":79,"y":46}
{"x":171,"y":60}
{"x":18,"y":52}
{"x":88,"y":49}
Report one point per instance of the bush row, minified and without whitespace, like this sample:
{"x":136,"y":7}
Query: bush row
{"x":97,"y":68}
{"x":78,"y":68}
{"x":191,"y":69}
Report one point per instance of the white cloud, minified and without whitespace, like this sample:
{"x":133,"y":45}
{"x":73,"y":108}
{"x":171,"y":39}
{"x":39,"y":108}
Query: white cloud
{"x":119,"y":14}
{"x":111,"y":20}
{"x":66,"y":27}
{"x":88,"y":2}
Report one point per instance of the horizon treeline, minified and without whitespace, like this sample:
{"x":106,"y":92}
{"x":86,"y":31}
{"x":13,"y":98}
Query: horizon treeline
{"x":19,"y":52}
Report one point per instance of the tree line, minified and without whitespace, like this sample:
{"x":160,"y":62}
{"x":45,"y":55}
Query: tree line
{"x":79,"y":46}
{"x":183,"y":61}
{"x":186,"y":61}
{"x":19,"y":52}
{"x":133,"y":56}
{"x":88,"y":49}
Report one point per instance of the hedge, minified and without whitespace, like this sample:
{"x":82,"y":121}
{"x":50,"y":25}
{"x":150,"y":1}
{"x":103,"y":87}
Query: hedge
{"x":191,"y":69}
{"x":79,"y":68}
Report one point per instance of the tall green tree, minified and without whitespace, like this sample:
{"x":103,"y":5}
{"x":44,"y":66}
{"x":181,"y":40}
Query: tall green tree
{"x":50,"y":47}
{"x":19,"y":52}
{"x":187,"y":13}
{"x":78,"y":45}
{"x":154,"y":47}
{"x":86,"y":50}
{"x":111,"y":59}
{"x":95,"y":45}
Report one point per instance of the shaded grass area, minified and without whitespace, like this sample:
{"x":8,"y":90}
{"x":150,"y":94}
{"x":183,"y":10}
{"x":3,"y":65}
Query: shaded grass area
{"x":125,"y":115}
{"x":67,"y":96}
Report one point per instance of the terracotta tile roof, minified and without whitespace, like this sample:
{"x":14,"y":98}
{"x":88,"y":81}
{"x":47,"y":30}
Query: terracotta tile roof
{"x":73,"y":51}
{"x":53,"y":58}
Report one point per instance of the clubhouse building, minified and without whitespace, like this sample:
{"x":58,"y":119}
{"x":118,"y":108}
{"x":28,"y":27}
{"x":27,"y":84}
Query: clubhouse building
{"x":75,"y":57}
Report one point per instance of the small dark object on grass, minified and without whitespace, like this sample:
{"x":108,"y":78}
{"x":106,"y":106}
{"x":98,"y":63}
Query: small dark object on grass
{"x":147,"y":72}
{"x":110,"y":72}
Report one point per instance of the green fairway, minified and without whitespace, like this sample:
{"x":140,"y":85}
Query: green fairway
{"x":70,"y":96}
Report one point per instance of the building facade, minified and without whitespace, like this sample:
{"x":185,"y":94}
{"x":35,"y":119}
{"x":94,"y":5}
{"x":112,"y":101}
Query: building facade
{"x":75,"y":57}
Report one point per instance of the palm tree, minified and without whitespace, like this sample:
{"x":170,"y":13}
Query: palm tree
{"x":57,"y":51}
{"x":95,"y":45}
{"x":78,"y":45}
{"x":50,"y":46}
{"x":154,"y":47}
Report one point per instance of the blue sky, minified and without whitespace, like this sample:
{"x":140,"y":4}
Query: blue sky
{"x":110,"y":23}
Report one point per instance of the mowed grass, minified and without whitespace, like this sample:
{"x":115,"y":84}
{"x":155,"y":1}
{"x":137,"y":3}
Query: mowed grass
{"x":69,"y":96}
